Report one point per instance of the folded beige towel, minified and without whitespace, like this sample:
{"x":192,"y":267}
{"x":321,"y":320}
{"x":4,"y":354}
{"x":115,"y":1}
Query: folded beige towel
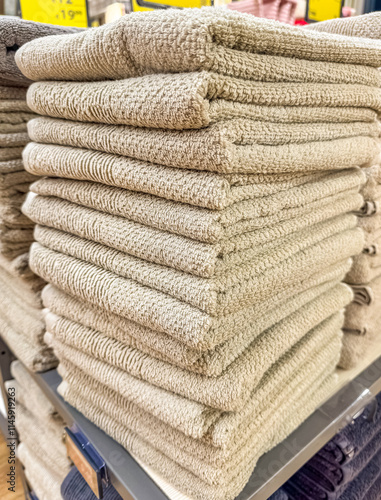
{"x":183,"y":40}
{"x":7,"y":154}
{"x":204,"y":460}
{"x":182,"y":101}
{"x":46,"y":485}
{"x":277,"y":429}
{"x":207,"y":149}
{"x":14,"y":106}
{"x":212,"y":362}
{"x":47,"y":442}
{"x":13,"y":139}
{"x":232,"y":388}
{"x":190,"y":289}
{"x":165,"y":347}
{"x":168,"y":249}
{"x":372,"y":188}
{"x":144,"y":305}
{"x":366,"y":26}
{"x":19,"y":118}
{"x":9,"y":166}
{"x":27,"y":288}
{"x":14,"y":178}
{"x":33,"y":397}
{"x":12,"y":93}
{"x":12,"y":128}
{"x":19,"y":268}
{"x":204,"y":225}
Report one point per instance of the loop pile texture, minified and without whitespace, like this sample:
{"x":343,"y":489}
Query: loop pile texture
{"x":200,"y":171}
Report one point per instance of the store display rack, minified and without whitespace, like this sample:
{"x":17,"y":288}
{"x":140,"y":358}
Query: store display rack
{"x":273,"y":469}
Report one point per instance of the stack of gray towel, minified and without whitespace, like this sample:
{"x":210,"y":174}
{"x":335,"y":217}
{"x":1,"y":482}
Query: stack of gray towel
{"x":194,"y":222}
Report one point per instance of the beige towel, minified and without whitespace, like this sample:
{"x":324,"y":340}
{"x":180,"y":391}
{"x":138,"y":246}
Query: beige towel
{"x":47,"y":443}
{"x":164,"y":347}
{"x":186,"y":40}
{"x":16,"y":118}
{"x":199,"y":223}
{"x":203,"y":189}
{"x":189,"y":289}
{"x":228,"y":391}
{"x":203,"y":150}
{"x":41,"y":479}
{"x":205,"y":461}
{"x":33,"y":397}
{"x":19,"y":268}
{"x":145,"y":306}
{"x":9,"y":166}
{"x":164,"y":248}
{"x":12,"y":106}
{"x":10,"y":140}
{"x":12,"y":128}
{"x":10,"y":153}
{"x":27,"y":289}
{"x":13,"y":178}
{"x":366,"y":26}
{"x":212,"y":362}
{"x":278,"y":429}
{"x":12,"y":93}
{"x":182,"y":101}
{"x":372,"y":188}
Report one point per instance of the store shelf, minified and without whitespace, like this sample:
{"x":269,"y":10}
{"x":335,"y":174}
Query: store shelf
{"x":134,"y":481}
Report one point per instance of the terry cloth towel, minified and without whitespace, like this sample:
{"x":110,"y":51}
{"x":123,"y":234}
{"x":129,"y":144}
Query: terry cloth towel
{"x":358,"y":489}
{"x":220,"y":429}
{"x":33,"y":398}
{"x":11,"y":105}
{"x":331,"y":470}
{"x":125,"y":297}
{"x":43,"y":482}
{"x":159,"y":344}
{"x":366,"y":266}
{"x":374,"y":492}
{"x":47,"y":444}
{"x":164,"y":347}
{"x":205,"y":461}
{"x":230,"y":390}
{"x":203,"y":189}
{"x":372,"y":188}
{"x":19,"y":266}
{"x":75,"y":487}
{"x":220,"y":151}
{"x":187,"y":40}
{"x":7,"y":154}
{"x":14,"y":34}
{"x":183,"y":101}
{"x":209,"y":226}
{"x":231,"y":482}
{"x":212,"y":362}
{"x":366,"y":26}
{"x":168,"y":249}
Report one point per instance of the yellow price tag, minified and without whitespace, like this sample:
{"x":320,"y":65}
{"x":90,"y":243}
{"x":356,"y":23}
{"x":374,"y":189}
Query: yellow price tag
{"x":61,"y":12}
{"x":322,"y":10}
{"x":142,"y":5}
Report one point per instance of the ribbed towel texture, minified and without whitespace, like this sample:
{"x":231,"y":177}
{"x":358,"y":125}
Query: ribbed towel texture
{"x":346,"y":467}
{"x":40,"y":432}
{"x":21,"y":323}
{"x":195,"y":217}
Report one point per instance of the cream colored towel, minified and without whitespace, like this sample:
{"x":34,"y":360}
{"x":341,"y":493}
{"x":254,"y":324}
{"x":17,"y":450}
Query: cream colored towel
{"x":183,"y":40}
{"x":228,"y":391}
{"x":145,"y":306}
{"x":199,"y":223}
{"x":16,"y":118}
{"x":205,"y":461}
{"x":178,"y":252}
{"x":47,"y":443}
{"x":196,"y":149}
{"x":166,"y":348}
{"x":12,"y":93}
{"x":44,"y":483}
{"x":193,"y":290}
{"x":12,"y":128}
{"x":7,"y":154}
{"x":14,"y":106}
{"x":372,"y":188}
{"x":33,"y":397}
{"x":366,"y":266}
{"x":10,"y":140}
{"x":183,"y":101}
{"x":214,"y":361}
{"x":278,"y":429}
{"x":366,"y":26}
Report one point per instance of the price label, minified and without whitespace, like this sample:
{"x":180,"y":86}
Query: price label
{"x":322,"y":10}
{"x":61,"y":12}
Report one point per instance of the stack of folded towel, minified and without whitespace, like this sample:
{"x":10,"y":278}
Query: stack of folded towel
{"x":194,"y":223}
{"x":40,"y":431}
{"x":363,"y":316}
{"x":21,"y":321}
{"x":347,"y":468}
